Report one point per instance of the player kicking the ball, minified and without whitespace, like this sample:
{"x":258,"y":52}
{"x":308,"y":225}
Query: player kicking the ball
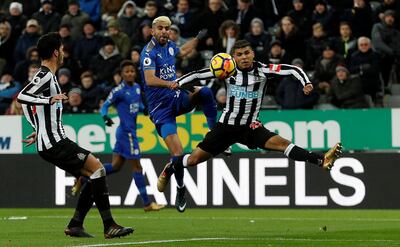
{"x":239,"y":120}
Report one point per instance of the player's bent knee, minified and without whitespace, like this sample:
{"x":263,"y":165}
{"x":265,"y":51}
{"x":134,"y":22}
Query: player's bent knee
{"x":101,"y":172}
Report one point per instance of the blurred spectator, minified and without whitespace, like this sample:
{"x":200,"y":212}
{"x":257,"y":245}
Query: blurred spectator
{"x":135,"y":54}
{"x":323,"y":15}
{"x":272,"y":10}
{"x":209,"y":18}
{"x":75,"y":18}
{"x":21,"y":69}
{"x":366,"y":63}
{"x":243,"y":14}
{"x":32,"y":70}
{"x":175,"y":35}
{"x":15,"y":108}
{"x":315,"y":45}
{"x":301,"y":17}
{"x":105,"y":62}
{"x":74,"y":103}
{"x":8,"y":89}
{"x":116,"y":78}
{"x":48,"y":19}
{"x":71,"y":64}
{"x":228,"y":34}
{"x":220,"y":97}
{"x":325,"y":68}
{"x":290,"y":95}
{"x":361,"y":18}
{"x":259,"y":39}
{"x":183,"y":18}
{"x":92,"y":8}
{"x":144,"y":35}
{"x":277,"y":54}
{"x":120,"y":39}
{"x":91,"y":93}
{"x":292,"y":41}
{"x":65,"y":33}
{"x":128,"y":19}
{"x":386,"y":5}
{"x":17,"y":20}
{"x":64,"y":80}
{"x":346,"y":44}
{"x":385,"y":40}
{"x":346,"y":90}
{"x":151,"y":11}
{"x":28,"y":38}
{"x":6,"y":46}
{"x":88,"y":46}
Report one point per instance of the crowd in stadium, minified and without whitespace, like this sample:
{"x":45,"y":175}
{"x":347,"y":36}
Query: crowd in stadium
{"x":350,"y":49}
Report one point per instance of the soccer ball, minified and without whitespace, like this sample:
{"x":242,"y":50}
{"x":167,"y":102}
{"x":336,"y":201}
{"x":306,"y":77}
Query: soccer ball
{"x":222,"y":65}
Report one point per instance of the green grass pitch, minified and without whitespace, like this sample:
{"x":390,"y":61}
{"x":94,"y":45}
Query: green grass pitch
{"x":209,"y":227}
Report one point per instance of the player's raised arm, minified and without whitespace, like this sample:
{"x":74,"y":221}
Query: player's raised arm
{"x":286,"y":69}
{"x":192,"y":44}
{"x":202,"y":74}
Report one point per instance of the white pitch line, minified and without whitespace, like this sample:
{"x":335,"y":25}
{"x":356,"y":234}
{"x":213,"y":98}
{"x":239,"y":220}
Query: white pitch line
{"x":237,"y":239}
{"x":231,"y":218}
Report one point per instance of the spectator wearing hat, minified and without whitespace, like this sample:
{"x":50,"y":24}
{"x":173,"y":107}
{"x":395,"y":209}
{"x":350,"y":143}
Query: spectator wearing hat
{"x":28,"y":38}
{"x":21,"y":69}
{"x":324,"y":16}
{"x":345,"y":44}
{"x":128,"y":19}
{"x":92,"y":8}
{"x":75,"y":18}
{"x":315,"y":45}
{"x":366,"y":64}
{"x":120,"y":38}
{"x":346,"y":89}
{"x":386,"y":5}
{"x":292,"y":41}
{"x":6,"y":46}
{"x":17,"y":20}
{"x":74,"y":103}
{"x":183,"y":18}
{"x":48,"y":19}
{"x":105,"y":62}
{"x":385,"y":41}
{"x":88,"y":46}
{"x":144,"y":35}
{"x":259,"y":39}
{"x":64,"y":80}
{"x":301,"y":16}
{"x":325,"y":68}
{"x":91,"y":92}
{"x":290,"y":95}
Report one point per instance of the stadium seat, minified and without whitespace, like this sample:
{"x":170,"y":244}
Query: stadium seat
{"x":369,"y":100}
{"x":374,"y":5}
{"x":269,"y":102}
{"x":395,"y":89}
{"x":393,"y":101}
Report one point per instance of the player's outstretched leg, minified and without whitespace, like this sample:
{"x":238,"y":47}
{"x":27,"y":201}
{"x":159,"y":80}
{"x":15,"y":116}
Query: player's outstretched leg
{"x":331,"y":156}
{"x":209,"y":106}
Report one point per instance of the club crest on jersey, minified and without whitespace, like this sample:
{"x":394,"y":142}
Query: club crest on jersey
{"x":171,"y":51}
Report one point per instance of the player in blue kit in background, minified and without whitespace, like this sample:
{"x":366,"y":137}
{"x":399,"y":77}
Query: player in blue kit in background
{"x":165,"y":100}
{"x":126,"y":97}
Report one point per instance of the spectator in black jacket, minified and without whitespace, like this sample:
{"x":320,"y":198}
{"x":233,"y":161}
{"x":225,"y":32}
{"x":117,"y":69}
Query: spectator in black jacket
{"x":292,"y":41}
{"x":105,"y":62}
{"x":6,"y":46}
{"x":301,"y":17}
{"x":65,"y":32}
{"x":345,"y":44}
{"x":259,"y":39}
{"x":48,"y":19}
{"x":88,"y":46}
{"x":243,"y":14}
{"x":128,"y":19}
{"x":290,"y":95}
{"x":91,"y":93}
{"x":315,"y":45}
{"x":17,"y":20}
{"x":183,"y":18}
{"x":64,"y":79}
{"x":28,"y":39}
{"x":347,"y":90}
{"x":366,"y":63}
{"x":21,"y":69}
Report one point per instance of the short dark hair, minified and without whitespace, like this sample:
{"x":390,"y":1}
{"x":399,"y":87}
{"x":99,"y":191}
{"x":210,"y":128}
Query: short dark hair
{"x":47,"y":44}
{"x":240,"y":44}
{"x":126,"y":63}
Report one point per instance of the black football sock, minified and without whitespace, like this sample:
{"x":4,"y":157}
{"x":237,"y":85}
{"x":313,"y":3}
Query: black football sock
{"x":178,"y":170}
{"x":100,"y":195}
{"x":297,"y":153}
{"x":85,"y":203}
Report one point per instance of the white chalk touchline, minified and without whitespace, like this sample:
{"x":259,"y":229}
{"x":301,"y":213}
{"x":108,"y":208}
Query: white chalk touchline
{"x":234,"y":239}
{"x":228,"y":218}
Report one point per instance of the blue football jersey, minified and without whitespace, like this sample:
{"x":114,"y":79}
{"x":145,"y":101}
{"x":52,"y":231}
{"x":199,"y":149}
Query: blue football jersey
{"x":127,"y":100}
{"x":162,"y":60}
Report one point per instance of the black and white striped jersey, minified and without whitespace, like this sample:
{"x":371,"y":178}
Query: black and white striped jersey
{"x":245,"y":90}
{"x":44,"y":117}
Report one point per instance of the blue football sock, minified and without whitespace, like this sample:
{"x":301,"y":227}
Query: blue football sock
{"x":179,"y":172}
{"x":209,"y":106}
{"x":141,"y":185}
{"x":109,"y":168}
